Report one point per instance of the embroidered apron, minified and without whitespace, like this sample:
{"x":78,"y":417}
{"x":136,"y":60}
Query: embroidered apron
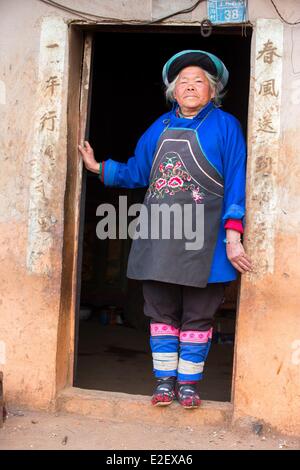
{"x":182,"y":175}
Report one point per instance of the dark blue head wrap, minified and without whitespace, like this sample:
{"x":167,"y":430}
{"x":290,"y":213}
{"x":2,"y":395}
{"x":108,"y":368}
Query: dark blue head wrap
{"x":205,"y":60}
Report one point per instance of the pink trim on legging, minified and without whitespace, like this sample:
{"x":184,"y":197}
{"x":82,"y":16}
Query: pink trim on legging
{"x":195,"y":336}
{"x":161,"y":329}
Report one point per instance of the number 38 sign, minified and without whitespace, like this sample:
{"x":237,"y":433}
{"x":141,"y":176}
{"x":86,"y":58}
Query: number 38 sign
{"x":226,"y":11}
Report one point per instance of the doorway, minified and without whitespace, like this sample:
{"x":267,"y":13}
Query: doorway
{"x":113,"y":352}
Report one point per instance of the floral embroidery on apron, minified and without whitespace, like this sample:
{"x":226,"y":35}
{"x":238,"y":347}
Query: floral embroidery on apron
{"x":173,"y":177}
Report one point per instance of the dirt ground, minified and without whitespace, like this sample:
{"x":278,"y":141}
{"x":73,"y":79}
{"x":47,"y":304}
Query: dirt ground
{"x":31,"y":430}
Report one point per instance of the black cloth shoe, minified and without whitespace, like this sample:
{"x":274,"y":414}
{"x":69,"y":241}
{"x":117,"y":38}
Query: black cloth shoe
{"x":187,"y":395}
{"x":164,"y":392}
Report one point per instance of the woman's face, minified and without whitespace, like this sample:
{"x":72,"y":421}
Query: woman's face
{"x":192,"y":90}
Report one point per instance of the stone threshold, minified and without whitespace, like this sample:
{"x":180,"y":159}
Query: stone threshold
{"x":120,"y":407}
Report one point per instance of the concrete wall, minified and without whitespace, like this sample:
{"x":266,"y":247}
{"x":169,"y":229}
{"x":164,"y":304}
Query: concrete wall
{"x":267,"y":375}
{"x":34,"y":47}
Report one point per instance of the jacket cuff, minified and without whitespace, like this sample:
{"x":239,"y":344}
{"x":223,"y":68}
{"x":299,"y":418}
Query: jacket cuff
{"x":109,"y":172}
{"x":234,"y":212}
{"x":234,"y":224}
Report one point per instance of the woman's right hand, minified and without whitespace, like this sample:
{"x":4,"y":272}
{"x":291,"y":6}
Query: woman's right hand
{"x":88,"y":157}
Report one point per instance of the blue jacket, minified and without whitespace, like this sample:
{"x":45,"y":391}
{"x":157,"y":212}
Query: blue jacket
{"x":222,"y":142}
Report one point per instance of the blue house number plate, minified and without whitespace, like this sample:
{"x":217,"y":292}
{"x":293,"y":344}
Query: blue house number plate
{"x":226,"y":11}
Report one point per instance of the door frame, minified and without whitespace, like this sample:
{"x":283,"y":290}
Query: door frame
{"x":79,"y":92}
{"x":80,"y":64}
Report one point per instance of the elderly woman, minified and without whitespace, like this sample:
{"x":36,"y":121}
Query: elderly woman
{"x":193,"y":154}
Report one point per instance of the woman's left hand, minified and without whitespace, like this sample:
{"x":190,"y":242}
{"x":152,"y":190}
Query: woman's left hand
{"x":236,"y":253}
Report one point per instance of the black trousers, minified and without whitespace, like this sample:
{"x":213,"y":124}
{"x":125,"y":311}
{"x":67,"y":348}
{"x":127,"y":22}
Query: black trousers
{"x":184,"y":307}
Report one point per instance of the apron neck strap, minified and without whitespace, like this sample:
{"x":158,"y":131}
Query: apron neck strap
{"x":202,"y":120}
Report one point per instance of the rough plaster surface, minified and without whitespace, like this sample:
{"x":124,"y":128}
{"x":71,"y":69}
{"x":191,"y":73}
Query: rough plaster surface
{"x":267,"y":367}
{"x":265,"y":143}
{"x":29,"y":302}
{"x":46,"y":146}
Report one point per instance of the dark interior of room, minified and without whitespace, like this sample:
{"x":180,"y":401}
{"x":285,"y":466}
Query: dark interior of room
{"x":127,"y":96}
